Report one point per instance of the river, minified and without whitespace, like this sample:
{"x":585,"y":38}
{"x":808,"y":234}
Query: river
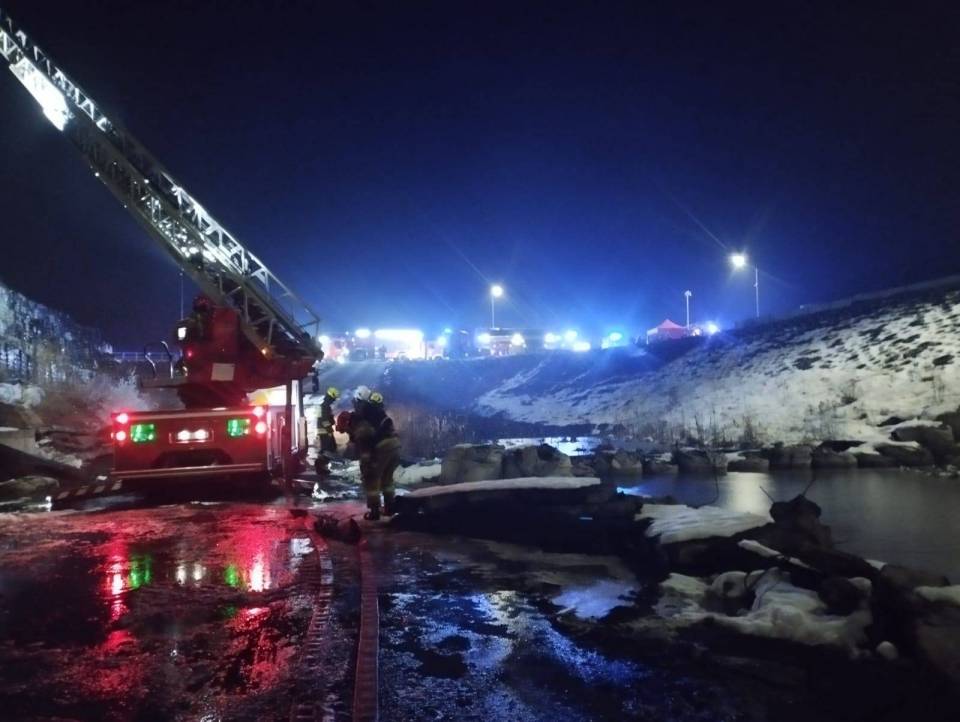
{"x":891,"y":515}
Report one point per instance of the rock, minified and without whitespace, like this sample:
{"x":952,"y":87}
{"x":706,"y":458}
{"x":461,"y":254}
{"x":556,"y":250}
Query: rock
{"x":825,"y":458}
{"x":888,"y":651}
{"x":656,"y":466}
{"x":749,"y":463}
{"x":730,"y":592}
{"x":798,"y":456}
{"x":951,"y":419}
{"x":617,"y":463}
{"x":543,"y":460}
{"x":803,"y":516}
{"x":469,"y":462}
{"x":582,"y":469}
{"x":906,"y":455}
{"x":28,"y":487}
{"x":938,"y":439}
{"x":840,"y":595}
{"x":840,"y":444}
{"x":907,"y":579}
{"x":874,"y":461}
{"x":700,"y":461}
{"x":939,"y":647}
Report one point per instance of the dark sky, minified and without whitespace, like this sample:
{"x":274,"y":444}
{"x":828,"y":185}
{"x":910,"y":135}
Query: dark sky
{"x":389,"y":161}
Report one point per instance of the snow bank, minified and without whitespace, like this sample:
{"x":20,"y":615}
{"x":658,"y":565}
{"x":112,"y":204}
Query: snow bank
{"x":425,"y":471}
{"x":547,"y":482}
{"x":780,"y":611}
{"x":678,"y":522}
{"x":950,"y":595}
{"x":594,"y":601}
{"x":20,"y":395}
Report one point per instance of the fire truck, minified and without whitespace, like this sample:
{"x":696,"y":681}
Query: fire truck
{"x":248,"y":331}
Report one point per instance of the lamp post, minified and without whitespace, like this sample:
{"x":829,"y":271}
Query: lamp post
{"x":739,"y":261}
{"x":496,"y":291}
{"x":687,"y":295}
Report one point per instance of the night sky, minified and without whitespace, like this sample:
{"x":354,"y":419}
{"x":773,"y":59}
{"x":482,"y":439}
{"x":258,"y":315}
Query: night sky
{"x":390,"y":161}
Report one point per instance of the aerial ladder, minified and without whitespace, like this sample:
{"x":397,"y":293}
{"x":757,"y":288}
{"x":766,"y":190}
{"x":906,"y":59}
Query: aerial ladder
{"x":248,"y":331}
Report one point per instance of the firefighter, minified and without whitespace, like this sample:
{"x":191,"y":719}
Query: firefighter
{"x":386,"y":456}
{"x":363,"y":440}
{"x":326,"y":443}
{"x":198,"y":322}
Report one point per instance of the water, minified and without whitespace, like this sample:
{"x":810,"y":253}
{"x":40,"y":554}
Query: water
{"x":891,"y":515}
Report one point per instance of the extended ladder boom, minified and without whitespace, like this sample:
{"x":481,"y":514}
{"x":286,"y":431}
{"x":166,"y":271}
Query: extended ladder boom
{"x":273,"y":317}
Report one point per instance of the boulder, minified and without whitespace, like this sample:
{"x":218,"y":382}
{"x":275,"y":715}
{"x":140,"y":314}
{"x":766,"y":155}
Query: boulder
{"x":840,"y":595}
{"x":543,"y":460}
{"x":754,"y":463}
{"x":939,"y":647}
{"x":798,"y":456}
{"x":906,"y":455}
{"x":951,"y":419}
{"x":867,"y":460}
{"x":28,"y":487}
{"x":826,"y":458}
{"x":803,"y":516}
{"x":730,"y":592}
{"x":938,"y":439}
{"x":658,"y":466}
{"x":617,"y":463}
{"x":700,"y":461}
{"x":471,"y":462}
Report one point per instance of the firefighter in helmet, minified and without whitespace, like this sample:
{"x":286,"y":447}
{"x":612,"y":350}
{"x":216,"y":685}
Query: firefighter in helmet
{"x":326,"y":443}
{"x":377,"y":447}
{"x":386,"y":455}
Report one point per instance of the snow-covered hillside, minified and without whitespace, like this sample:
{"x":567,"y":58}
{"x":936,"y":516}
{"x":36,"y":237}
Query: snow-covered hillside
{"x":835,"y":374}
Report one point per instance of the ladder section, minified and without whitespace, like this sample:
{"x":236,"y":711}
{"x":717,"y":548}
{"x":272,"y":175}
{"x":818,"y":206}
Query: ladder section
{"x":274,"y":318}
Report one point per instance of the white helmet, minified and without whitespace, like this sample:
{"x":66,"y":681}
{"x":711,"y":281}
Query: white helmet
{"x":362,"y":393}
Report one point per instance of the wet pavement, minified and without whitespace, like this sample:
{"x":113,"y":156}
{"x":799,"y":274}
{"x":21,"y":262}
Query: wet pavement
{"x":136,"y":609}
{"x":192,"y":611}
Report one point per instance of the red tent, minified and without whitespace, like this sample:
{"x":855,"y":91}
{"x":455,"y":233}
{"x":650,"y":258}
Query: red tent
{"x":666,"y":330}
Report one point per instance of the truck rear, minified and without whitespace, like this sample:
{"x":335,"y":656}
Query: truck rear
{"x":222,"y":442}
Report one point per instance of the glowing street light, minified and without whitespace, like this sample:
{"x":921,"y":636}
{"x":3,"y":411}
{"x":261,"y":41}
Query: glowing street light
{"x":687,"y":295}
{"x":496,"y":291}
{"x":739,"y":261}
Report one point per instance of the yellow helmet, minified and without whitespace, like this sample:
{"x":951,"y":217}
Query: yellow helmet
{"x":376,"y":398}
{"x":333,"y":392}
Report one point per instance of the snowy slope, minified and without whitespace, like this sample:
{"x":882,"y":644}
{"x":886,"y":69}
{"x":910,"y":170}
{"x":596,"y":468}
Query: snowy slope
{"x":834,"y":374}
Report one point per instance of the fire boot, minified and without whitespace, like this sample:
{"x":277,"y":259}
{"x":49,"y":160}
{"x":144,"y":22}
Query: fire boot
{"x":389,"y":504}
{"x":374,"y":511}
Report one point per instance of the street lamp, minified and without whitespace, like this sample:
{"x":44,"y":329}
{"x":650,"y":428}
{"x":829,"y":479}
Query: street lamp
{"x":739,"y":261}
{"x":686,"y":295}
{"x":496,"y":291}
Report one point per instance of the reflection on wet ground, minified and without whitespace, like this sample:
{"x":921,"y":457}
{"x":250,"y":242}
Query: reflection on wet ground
{"x":468,"y":633}
{"x":174,"y":612}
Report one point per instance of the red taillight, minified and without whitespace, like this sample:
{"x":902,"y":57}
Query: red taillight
{"x":122,"y":418}
{"x":189,"y":353}
{"x":121,"y":435}
{"x":261,"y":427}
{"x":258,"y":411}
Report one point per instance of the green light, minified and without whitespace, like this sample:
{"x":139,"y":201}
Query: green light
{"x":231,"y":575}
{"x":142,"y":433}
{"x":140,"y":571}
{"x":238,"y":427}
